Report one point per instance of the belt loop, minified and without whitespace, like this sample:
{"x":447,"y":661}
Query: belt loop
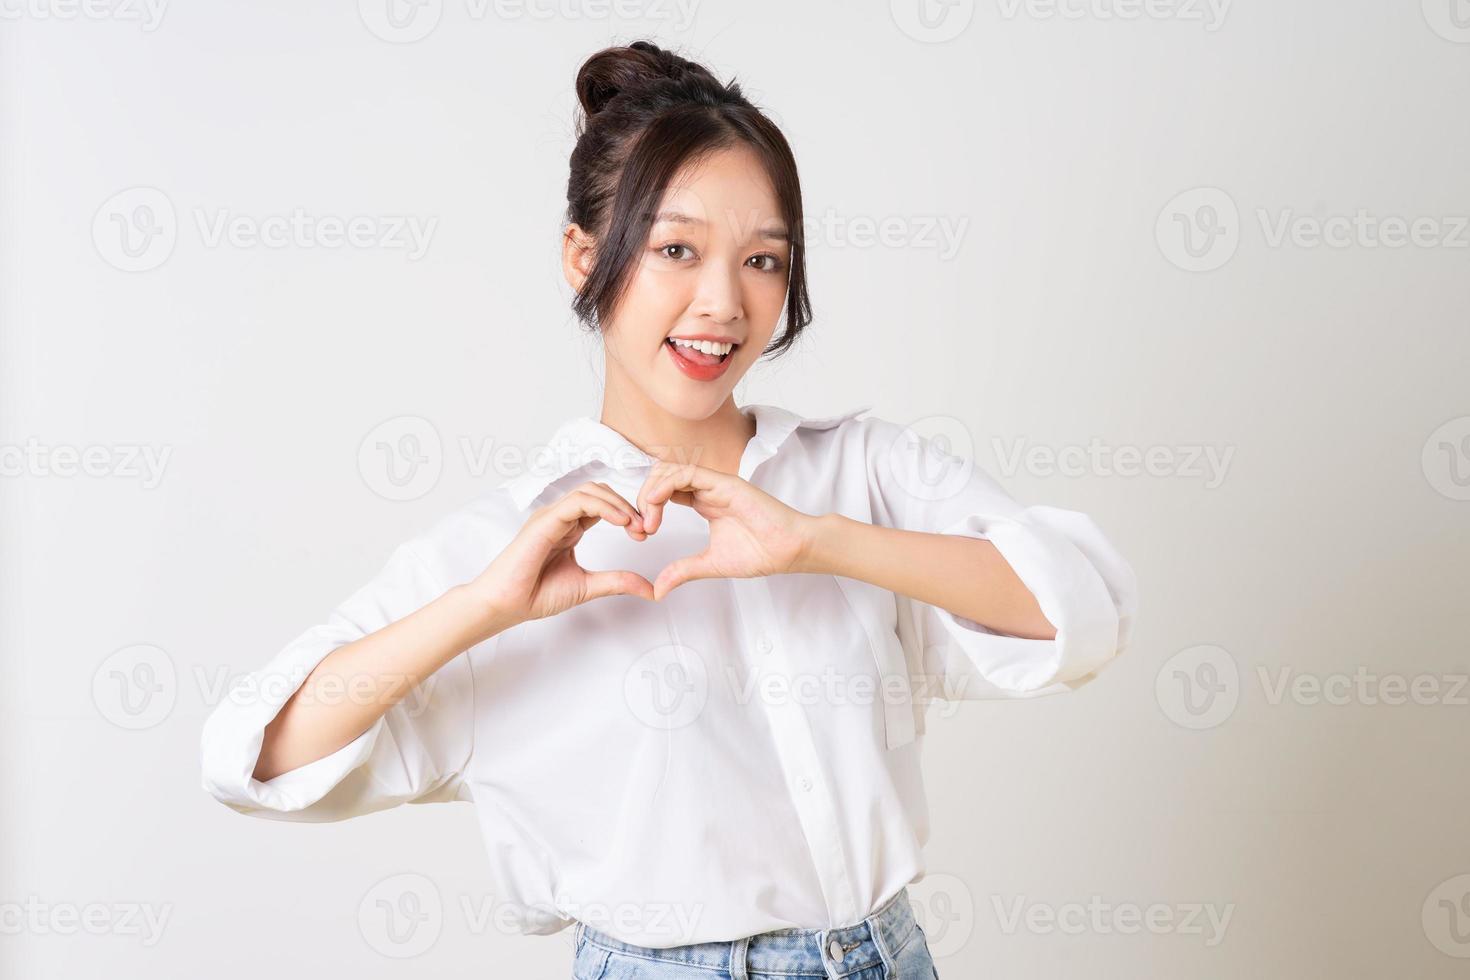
{"x":877,"y":923}
{"x":738,"y":958}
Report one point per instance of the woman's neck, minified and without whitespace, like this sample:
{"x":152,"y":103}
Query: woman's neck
{"x":717,"y":442}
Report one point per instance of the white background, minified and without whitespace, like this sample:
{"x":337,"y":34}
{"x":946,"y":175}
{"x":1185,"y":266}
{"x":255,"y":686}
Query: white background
{"x":1069,"y":313}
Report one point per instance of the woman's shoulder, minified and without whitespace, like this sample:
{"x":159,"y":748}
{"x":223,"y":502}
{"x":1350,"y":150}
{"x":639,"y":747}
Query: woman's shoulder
{"x":857,"y":430}
{"x":881,"y":433}
{"x":774,"y":422}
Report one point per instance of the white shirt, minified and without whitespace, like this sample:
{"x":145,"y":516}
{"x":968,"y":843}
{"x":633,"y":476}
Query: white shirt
{"x":739,"y":757}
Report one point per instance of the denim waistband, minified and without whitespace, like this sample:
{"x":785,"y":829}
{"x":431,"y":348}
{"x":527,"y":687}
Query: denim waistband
{"x":818,"y":952}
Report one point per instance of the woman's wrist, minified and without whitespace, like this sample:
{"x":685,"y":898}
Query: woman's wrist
{"x":821,"y":547}
{"x":485,"y":614}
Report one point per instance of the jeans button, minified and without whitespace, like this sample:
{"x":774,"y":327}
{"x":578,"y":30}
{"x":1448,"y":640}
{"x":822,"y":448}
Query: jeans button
{"x":834,"y":951}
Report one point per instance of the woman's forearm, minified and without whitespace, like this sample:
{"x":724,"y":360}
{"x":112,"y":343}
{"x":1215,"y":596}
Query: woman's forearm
{"x":355,"y":685}
{"x":966,"y":576}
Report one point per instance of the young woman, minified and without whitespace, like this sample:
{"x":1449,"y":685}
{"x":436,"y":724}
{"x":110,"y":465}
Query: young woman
{"x":691,"y":731}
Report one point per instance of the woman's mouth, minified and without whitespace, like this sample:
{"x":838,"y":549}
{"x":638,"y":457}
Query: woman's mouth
{"x":698,"y":364}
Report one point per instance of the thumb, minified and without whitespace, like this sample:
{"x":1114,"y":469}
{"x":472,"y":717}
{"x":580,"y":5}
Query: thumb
{"x":682,"y":570}
{"x":601,"y":584}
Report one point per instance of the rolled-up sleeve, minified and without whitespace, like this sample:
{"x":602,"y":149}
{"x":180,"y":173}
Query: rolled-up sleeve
{"x":416,"y":752}
{"x":1082,"y":584}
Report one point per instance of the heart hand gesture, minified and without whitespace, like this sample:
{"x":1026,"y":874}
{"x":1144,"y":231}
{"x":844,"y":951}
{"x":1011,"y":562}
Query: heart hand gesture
{"x":751,"y":534}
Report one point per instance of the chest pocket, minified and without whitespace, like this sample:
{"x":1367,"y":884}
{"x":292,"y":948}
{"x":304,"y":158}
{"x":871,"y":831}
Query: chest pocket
{"x":877,"y":610}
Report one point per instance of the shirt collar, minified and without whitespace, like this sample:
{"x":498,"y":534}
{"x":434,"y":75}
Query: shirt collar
{"x":584,"y":441}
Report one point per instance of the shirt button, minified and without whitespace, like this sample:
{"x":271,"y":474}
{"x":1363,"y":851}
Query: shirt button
{"x":834,"y":950}
{"x":806,"y":783}
{"x":764,"y":644}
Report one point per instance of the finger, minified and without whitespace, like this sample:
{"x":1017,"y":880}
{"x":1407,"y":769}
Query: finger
{"x":601,"y":584}
{"x":606,"y":492}
{"x":586,"y":509}
{"x":682,"y":570}
{"x":664,"y":482}
{"x":602,"y":490}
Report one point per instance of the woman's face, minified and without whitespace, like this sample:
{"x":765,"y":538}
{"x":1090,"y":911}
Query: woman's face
{"x":714,"y":267}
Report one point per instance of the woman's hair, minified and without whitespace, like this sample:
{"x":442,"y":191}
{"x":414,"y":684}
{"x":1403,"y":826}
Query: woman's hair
{"x":646,"y":112}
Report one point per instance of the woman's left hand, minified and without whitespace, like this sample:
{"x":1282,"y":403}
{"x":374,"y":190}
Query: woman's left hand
{"x":751,"y":533}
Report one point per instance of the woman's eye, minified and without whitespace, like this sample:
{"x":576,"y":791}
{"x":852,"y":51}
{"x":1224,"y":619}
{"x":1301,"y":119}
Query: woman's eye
{"x":679,"y":252}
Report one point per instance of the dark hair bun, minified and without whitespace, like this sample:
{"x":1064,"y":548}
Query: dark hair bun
{"x":613,"y":71}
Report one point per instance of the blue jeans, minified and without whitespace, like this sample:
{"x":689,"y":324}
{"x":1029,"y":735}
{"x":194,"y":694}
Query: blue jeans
{"x":887,"y":945}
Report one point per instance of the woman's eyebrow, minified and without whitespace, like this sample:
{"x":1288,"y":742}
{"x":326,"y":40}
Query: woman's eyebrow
{"x":676,"y":217}
{"x":777,"y":232}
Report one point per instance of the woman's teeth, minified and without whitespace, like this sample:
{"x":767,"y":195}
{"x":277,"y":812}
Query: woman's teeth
{"x":702,"y":351}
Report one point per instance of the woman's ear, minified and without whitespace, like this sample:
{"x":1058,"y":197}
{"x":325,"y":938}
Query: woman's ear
{"x":577,"y":254}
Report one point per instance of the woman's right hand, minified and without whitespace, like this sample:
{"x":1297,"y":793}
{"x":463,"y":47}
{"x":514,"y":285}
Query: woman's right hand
{"x":537,"y":574}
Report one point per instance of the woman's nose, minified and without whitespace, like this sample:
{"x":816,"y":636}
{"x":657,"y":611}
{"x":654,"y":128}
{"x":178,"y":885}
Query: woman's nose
{"x":719,"y":293}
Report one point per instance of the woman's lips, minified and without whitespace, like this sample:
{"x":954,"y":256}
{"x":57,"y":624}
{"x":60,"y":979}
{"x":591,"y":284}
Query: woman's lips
{"x":695,"y":369}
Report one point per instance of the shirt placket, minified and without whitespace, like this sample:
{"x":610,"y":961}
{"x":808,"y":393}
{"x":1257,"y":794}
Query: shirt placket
{"x":805,"y":776}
